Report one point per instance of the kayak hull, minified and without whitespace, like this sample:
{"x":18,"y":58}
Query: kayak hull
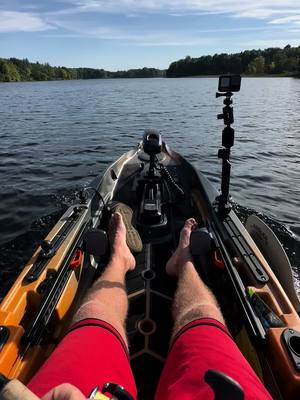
{"x":233,"y":264}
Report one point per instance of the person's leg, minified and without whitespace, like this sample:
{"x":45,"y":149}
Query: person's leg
{"x":200,"y":339}
{"x":94,"y":351}
{"x":107,"y":299}
{"x":193,"y":299}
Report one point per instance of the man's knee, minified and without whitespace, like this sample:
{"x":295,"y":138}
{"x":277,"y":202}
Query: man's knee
{"x":198,"y":311}
{"x":88,"y":309}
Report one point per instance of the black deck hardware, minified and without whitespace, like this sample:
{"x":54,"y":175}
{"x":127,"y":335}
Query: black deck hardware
{"x":165,"y":174}
{"x":95,"y":242}
{"x":38,"y":324}
{"x":201,"y":242}
{"x":249,"y":258}
{"x":255,"y":326}
{"x":152,"y":145}
{"x":49,"y":248}
{"x":291,"y":339}
{"x":45,"y":284}
{"x":152,"y":188}
{"x":149,"y":191}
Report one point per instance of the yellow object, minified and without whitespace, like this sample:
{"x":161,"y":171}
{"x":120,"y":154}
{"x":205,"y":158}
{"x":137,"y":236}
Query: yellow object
{"x":100,"y":396}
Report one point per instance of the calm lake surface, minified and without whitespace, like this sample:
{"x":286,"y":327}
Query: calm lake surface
{"x":57,"y":136}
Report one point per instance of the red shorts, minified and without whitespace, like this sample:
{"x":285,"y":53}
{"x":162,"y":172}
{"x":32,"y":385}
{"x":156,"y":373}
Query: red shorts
{"x":93,"y":353}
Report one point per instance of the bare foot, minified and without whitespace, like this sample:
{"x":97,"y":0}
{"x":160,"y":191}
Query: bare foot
{"x":182,"y":254}
{"x":120,"y":252}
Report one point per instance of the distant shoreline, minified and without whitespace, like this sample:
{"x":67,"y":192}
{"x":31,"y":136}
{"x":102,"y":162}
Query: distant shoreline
{"x":162,"y":77}
{"x":272,"y":62}
{"x":242,"y":75}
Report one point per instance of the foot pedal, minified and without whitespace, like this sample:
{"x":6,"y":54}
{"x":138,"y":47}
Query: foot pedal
{"x":95,"y":242}
{"x":200,"y":242}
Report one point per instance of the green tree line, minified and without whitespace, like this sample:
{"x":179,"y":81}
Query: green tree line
{"x":16,"y":70}
{"x":270,"y":61}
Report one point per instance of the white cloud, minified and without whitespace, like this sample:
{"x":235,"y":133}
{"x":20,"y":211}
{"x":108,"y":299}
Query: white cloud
{"x":14,"y":21}
{"x":168,"y":36}
{"x":295,"y":19}
{"x":275,"y":12}
{"x":146,"y":38}
{"x":253,"y":9}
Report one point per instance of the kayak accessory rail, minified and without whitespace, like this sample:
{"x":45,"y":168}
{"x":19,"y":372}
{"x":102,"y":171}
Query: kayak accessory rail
{"x":252,"y":320}
{"x":49,"y":248}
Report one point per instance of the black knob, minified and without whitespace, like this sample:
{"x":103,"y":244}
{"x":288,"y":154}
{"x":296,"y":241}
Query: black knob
{"x":46,"y":245}
{"x":117,"y":391}
{"x":83,"y":196}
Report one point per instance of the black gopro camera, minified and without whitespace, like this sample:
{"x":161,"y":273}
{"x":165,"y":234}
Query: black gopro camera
{"x":229,"y":83}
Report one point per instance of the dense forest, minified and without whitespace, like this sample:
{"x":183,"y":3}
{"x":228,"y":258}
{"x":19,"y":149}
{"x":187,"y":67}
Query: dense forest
{"x":272,"y":61}
{"x":15,"y":70}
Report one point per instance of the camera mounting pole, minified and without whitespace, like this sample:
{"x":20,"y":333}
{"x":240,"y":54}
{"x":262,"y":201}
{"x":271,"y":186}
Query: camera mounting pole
{"x":222,"y":201}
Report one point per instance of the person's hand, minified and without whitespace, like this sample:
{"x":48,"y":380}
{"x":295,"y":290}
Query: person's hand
{"x":66,"y":391}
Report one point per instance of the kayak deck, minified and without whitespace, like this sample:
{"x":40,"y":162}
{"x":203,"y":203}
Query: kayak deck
{"x":150,"y":289}
{"x":232,"y":264}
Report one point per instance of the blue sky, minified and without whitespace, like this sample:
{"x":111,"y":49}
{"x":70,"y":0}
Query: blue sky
{"x":122,"y":34}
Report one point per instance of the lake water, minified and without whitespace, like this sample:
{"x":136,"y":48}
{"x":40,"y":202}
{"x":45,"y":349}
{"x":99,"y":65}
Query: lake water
{"x":57,"y":136}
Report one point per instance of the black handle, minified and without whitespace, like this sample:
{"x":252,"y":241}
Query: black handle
{"x":224,"y":387}
{"x":118,"y":392}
